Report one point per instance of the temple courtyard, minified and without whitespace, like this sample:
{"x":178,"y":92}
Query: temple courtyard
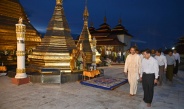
{"x":73,"y":95}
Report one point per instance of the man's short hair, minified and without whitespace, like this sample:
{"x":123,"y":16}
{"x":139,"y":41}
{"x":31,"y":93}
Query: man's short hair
{"x":134,"y":47}
{"x":170,"y":51}
{"x":148,"y":51}
{"x":159,"y":51}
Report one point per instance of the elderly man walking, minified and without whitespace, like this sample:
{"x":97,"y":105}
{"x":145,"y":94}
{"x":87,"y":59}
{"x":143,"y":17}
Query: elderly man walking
{"x":133,"y":68}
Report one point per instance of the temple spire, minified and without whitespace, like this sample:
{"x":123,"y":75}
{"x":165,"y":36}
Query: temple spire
{"x":59,"y":2}
{"x":120,"y":21}
{"x":85,"y":27}
{"x":85,"y":38}
{"x":86,"y":14}
{"x":105,"y":19}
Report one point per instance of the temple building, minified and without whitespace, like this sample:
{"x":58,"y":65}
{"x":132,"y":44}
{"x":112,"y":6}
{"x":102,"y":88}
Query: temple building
{"x":56,"y":47}
{"x":122,"y":35}
{"x":111,"y":40}
{"x":10,"y":12}
{"x":180,"y":45}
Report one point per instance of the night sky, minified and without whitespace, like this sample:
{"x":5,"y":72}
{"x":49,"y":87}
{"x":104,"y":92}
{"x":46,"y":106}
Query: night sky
{"x":153,"y":23}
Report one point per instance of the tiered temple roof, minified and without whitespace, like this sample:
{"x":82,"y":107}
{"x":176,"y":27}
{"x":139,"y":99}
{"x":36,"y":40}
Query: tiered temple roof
{"x":107,"y":36}
{"x":10,"y":11}
{"x":91,"y":28}
{"x":103,"y":31}
{"x":180,"y":45}
{"x":120,"y":29}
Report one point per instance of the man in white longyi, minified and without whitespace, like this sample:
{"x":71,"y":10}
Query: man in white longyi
{"x":133,"y":68}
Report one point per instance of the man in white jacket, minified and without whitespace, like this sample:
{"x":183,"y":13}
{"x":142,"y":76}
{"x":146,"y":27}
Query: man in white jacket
{"x":133,"y":68}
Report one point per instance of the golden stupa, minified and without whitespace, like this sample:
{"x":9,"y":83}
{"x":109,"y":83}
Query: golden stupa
{"x":54,"y":51}
{"x":85,"y":43}
{"x":86,"y":46}
{"x":10,"y":12}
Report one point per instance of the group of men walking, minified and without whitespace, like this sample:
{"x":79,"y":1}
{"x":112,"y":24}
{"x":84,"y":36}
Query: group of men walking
{"x":150,"y":70}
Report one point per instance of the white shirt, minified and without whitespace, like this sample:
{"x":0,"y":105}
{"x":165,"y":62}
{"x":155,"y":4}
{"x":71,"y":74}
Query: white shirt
{"x":107,"y":52}
{"x":170,"y":60}
{"x":142,"y":57}
{"x":150,"y":66}
{"x":119,"y":54}
{"x":162,"y":53}
{"x":161,"y":60}
{"x":177,"y":56}
{"x":124,"y":53}
{"x":110,"y":52}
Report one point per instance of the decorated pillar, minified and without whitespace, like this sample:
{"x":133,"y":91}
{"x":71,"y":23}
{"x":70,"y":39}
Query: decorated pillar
{"x":94,"y":54}
{"x":21,"y":76}
{"x":20,"y":33}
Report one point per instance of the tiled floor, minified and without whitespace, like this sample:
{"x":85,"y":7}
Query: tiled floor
{"x":77,"y":96}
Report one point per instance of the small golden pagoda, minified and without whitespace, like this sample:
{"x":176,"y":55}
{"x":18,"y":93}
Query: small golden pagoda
{"x":85,"y":43}
{"x":86,"y":47}
{"x":56,"y":47}
{"x":10,"y":11}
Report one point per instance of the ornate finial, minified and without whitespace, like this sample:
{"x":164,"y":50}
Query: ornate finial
{"x":86,"y":3}
{"x":105,"y":19}
{"x":86,"y":13}
{"x":120,"y":21}
{"x":20,"y":20}
{"x":59,"y":2}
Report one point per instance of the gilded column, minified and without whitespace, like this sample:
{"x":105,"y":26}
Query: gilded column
{"x":20,"y":33}
{"x":94,"y":54}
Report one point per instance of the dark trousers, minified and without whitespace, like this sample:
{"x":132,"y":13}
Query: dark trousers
{"x":148,"y":87}
{"x":176,"y":67}
{"x":169,"y":72}
{"x":161,"y":74}
{"x":119,"y":59}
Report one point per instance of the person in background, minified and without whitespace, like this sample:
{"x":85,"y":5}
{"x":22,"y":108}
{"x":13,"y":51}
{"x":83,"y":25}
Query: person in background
{"x":137,"y":51}
{"x":149,"y":76}
{"x":141,"y":55}
{"x":153,"y":53}
{"x":127,"y":53}
{"x":162,"y":62}
{"x":124,"y":56}
{"x":119,"y":56}
{"x":162,"y":53}
{"x":106,"y":53}
{"x":171,"y":63}
{"x":133,"y":68}
{"x":114,"y":56}
{"x":177,"y":59}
